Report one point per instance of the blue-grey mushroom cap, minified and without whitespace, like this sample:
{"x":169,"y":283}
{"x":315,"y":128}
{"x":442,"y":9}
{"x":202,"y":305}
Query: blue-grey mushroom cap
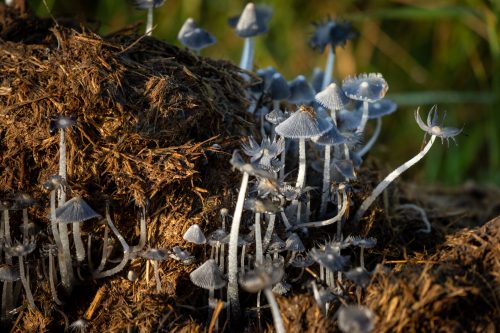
{"x":154,"y":254}
{"x":53,"y":183}
{"x":19,"y":249}
{"x":216,"y":237}
{"x":9,"y":273}
{"x":277,"y":116}
{"x":279,"y":89}
{"x":75,"y":210}
{"x":317,"y":79}
{"x":252,"y":22}
{"x":302,"y":261}
{"x":331,"y":138}
{"x":348,"y":120}
{"x":303,"y":124}
{"x":361,"y":241}
{"x":281,"y":288}
{"x":294,"y":244}
{"x":332,"y":97}
{"x":251,"y":168}
{"x":195,"y":235}
{"x":378,"y":109}
{"x":356,"y":319}
{"x":301,"y":92}
{"x":331,"y":32}
{"x":181,"y":255}
{"x":61,"y":122}
{"x":146,"y":4}
{"x":263,"y":276}
{"x":264,"y":14}
{"x":208,"y":276}
{"x":265,"y":74}
{"x":331,"y":260}
{"x":365,"y":87}
{"x":197,"y":39}
{"x":359,"y":276}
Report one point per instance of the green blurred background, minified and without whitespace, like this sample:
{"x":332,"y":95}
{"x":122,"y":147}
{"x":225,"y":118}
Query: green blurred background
{"x":430,"y":52}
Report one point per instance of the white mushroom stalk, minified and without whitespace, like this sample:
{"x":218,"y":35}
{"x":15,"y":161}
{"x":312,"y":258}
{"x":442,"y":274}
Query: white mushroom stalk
{"x":327,"y":78}
{"x":435,"y":130}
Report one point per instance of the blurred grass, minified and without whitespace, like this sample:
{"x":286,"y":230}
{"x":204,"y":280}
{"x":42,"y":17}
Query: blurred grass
{"x":444,"y":52}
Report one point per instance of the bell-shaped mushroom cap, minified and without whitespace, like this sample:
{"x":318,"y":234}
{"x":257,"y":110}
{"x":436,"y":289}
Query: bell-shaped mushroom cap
{"x":345,"y":168}
{"x":380,"y":108}
{"x":181,"y":255}
{"x":276,"y":116}
{"x":253,"y":20}
{"x":263,"y":276}
{"x":154,"y":254}
{"x":279,"y":89}
{"x":208,"y":276}
{"x":356,"y":319}
{"x":317,"y":79}
{"x":9,"y":273}
{"x":74,"y":211}
{"x":359,"y":276}
{"x":332,"y":97}
{"x":146,"y":4}
{"x":331,"y":32}
{"x":365,"y":87}
{"x":195,"y":235}
{"x":53,"y":183}
{"x":301,"y":91}
{"x":303,"y":124}
{"x":22,"y":200}
{"x":361,"y":242}
{"x":294,"y":244}
{"x":265,"y":74}
{"x":331,"y":138}
{"x":348,"y":120}
{"x":60,"y":121}
{"x":194,"y":37}
{"x":216,"y":237}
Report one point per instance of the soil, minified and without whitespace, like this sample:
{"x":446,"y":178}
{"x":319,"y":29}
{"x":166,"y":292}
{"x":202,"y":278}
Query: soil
{"x":156,"y":126}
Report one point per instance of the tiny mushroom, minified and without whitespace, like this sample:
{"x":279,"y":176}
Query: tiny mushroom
{"x":195,"y":235}
{"x":155,"y":255}
{"x":193,"y":37}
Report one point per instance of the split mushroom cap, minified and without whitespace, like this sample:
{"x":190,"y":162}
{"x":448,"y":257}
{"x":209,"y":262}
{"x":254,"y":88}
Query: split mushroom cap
{"x":253,"y":20}
{"x":331,"y":32}
{"x":194,"y":37}
{"x":332,"y":260}
{"x":146,"y":4}
{"x":75,"y":210}
{"x":301,"y":92}
{"x":303,"y":124}
{"x":181,"y":255}
{"x":195,"y":235}
{"x":365,"y":87}
{"x":332,"y":97}
{"x":380,"y":108}
{"x":208,"y":276}
{"x":356,"y":319}
{"x":60,"y":121}
{"x":154,"y":254}
{"x":360,"y":241}
{"x":216,"y":237}
{"x":278,"y":88}
{"x":250,"y":168}
{"x":293,"y":243}
{"x":277,"y":116}
{"x":331,"y":138}
{"x":433,"y":128}
{"x":9,"y":273}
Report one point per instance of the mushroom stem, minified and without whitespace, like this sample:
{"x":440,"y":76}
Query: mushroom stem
{"x":247,"y":55}
{"x":105,"y":254}
{"x":326,"y":182}
{"x":25,"y":283}
{"x":6,"y":223}
{"x":269,"y":232}
{"x":390,"y":178}
{"x":372,"y":140}
{"x":362,"y":257}
{"x":126,"y":250}
{"x":243,"y":253}
{"x":332,"y":220}
{"x":149,"y":22}
{"x":142,"y":237}
{"x":52,"y":281}
{"x":61,"y":192}
{"x":282,"y":160}
{"x":157,"y":276}
{"x":364,"y":118}
{"x":25,"y":226}
{"x":232,"y":287}
{"x":62,"y":241}
{"x":259,"y":257}
{"x":301,"y":177}
{"x":275,"y":311}
{"x":77,"y":238}
{"x":327,"y":79}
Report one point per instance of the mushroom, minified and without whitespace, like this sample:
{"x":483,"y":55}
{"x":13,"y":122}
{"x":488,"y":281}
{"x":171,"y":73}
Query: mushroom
{"x":208,"y":276}
{"x":23,"y":201}
{"x":19,"y":251}
{"x":355,"y":319}
{"x":8,"y":275}
{"x":76,"y":211}
{"x":333,"y":33}
{"x":362,"y":243}
{"x":155,"y":255}
{"x":150,"y":5}
{"x":193,"y":37}
{"x":61,"y":122}
{"x":251,"y":23}
{"x":301,"y":91}
{"x":195,"y":235}
{"x":51,"y":251}
{"x":435,"y":130}
{"x":367,"y":88}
